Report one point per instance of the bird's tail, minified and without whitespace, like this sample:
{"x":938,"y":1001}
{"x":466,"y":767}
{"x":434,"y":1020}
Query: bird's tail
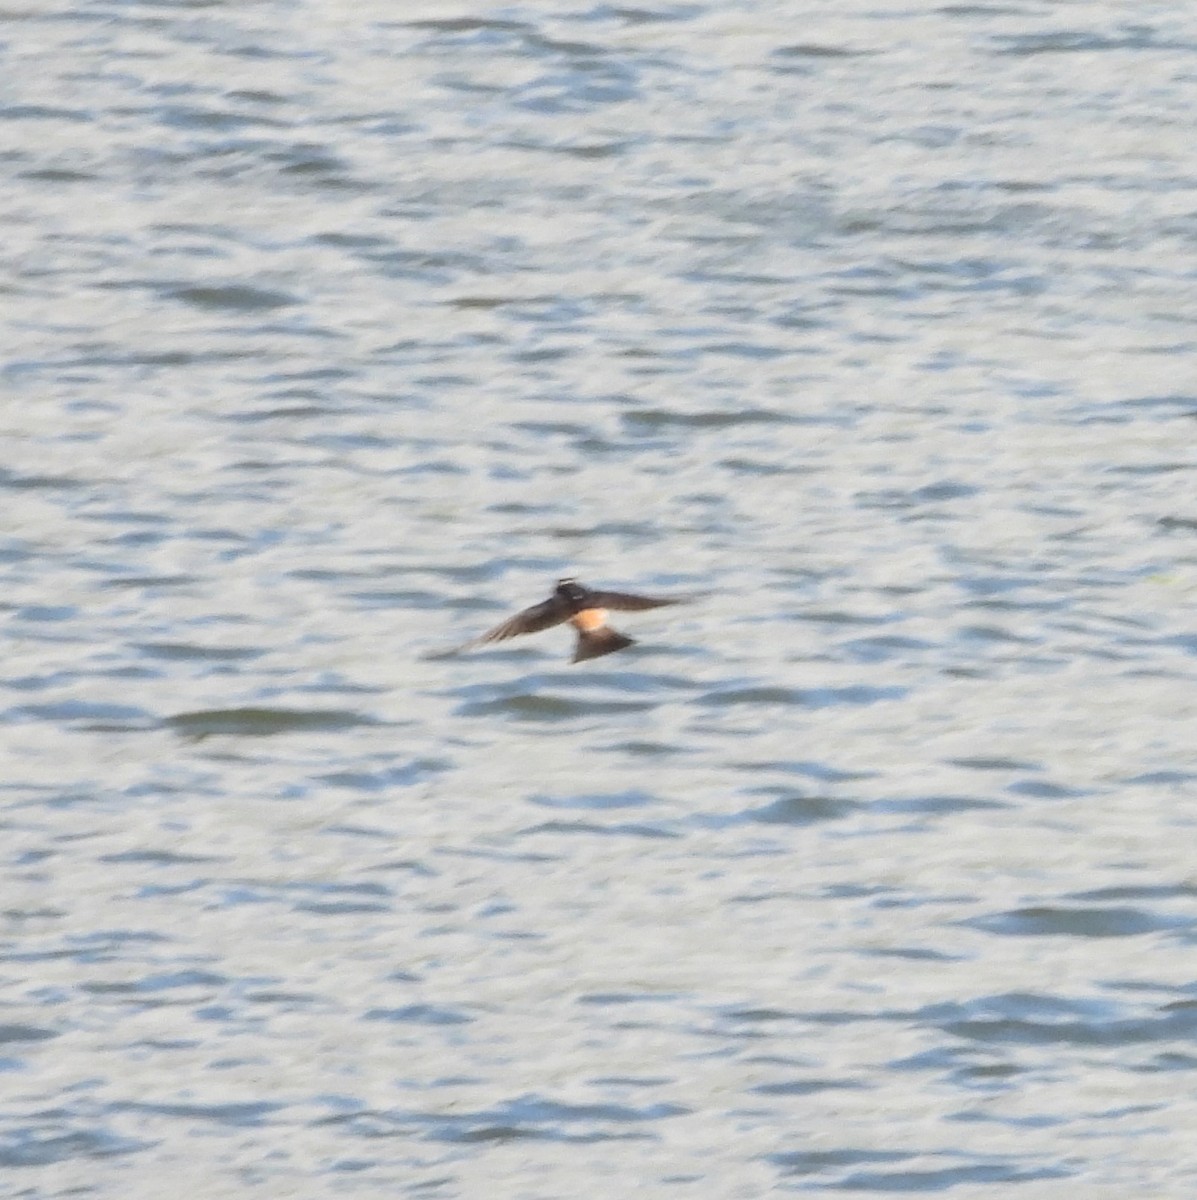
{"x":594,"y":643}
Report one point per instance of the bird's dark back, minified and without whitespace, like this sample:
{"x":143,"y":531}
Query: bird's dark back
{"x":572,"y":592}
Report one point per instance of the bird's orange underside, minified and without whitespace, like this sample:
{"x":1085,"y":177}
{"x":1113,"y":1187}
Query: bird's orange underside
{"x":589,"y":619}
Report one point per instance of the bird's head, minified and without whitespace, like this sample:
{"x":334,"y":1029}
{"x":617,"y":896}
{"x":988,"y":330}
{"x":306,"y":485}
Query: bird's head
{"x":569,"y":588}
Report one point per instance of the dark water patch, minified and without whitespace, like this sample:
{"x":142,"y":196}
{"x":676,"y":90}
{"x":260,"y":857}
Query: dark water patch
{"x":970,"y":274}
{"x":996,"y":635}
{"x":341,"y":899}
{"x":589,"y":827}
{"x":85,"y":715}
{"x":643,"y":749}
{"x":963,"y":1065}
{"x":741,"y":465}
{"x":549,"y":429}
{"x":526,"y":706}
{"x":335,"y":683}
{"x":912,"y":953}
{"x":1044,"y":789}
{"x":622,"y":682}
{"x":632,"y":531}
{"x":759,"y":1016}
{"x":233,"y":298}
{"x":895,"y":899}
{"x":826,"y":616}
{"x":347,"y":829}
{"x":1185,"y":642}
{"x":340,"y":908}
{"x":981,"y":10}
{"x":282,"y":412}
{"x":817,"y":1162}
{"x":656,"y":418}
{"x":211,"y":120}
{"x":752,"y":350}
{"x":998,"y":585}
{"x":937,"y":804}
{"x":806,"y":768}
{"x":365,"y":888}
{"x":22,"y":482}
{"x":24,"y":1033}
{"x":765,"y":897}
{"x":106,"y":945}
{"x":1056,"y":921}
{"x":191,"y":652}
{"x":1170,"y":524}
{"x":40,"y":1146}
{"x":1167,"y":1061}
{"x":44,"y":913}
{"x":932,"y":493}
{"x":158,"y":858}
{"x":250,"y":1115}
{"x":983,"y":763}
{"x":632,"y":798}
{"x":473,"y":25}
{"x":630,"y":1081}
{"x":314,"y":164}
{"x":151,"y":581}
{"x":536,"y":1117}
{"x":1162,"y":778}
{"x":800,"y":697}
{"x":431,"y":266}
{"x":160,"y":982}
{"x":1152,"y":468}
{"x":528,"y":1118}
{"x":883,"y":649}
{"x":285,"y":1001}
{"x":792,"y":808}
{"x":419,"y":1014}
{"x":149,"y":891}
{"x":34,"y":956}
{"x":581,"y":83}
{"x":1176,"y":404}
{"x":587,"y":151}
{"x":40,"y":683}
{"x":395,"y":776}
{"x":263,"y":722}
{"x":817,"y":50}
{"x":615,"y":999}
{"x":1163,"y":891}
{"x":396,"y":598}
{"x":804,"y":1087}
{"x":946,"y":1178}
{"x":423,"y":1187}
{"x":1022,"y":1018}
{"x":43,"y":112}
{"x":1082,"y":41}
{"x":490,"y":304}
{"x":857,"y":891}
{"x":47,"y":612}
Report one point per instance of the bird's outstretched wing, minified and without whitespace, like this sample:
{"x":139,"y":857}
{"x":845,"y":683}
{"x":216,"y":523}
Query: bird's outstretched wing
{"x":626,"y":602}
{"x":532,"y":620}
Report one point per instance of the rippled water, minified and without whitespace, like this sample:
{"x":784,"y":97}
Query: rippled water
{"x":333,"y":334}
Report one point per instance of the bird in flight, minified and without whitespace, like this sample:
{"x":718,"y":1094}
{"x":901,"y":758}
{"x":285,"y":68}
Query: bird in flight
{"x":584,"y":608}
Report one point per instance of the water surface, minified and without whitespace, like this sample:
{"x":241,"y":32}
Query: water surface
{"x":333,"y":334}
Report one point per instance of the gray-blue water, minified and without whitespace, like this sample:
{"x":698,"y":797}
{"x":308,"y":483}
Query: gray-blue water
{"x":335,"y":332}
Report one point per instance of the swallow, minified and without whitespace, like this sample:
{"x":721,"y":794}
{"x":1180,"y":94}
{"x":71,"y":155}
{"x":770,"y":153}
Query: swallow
{"x":583,"y":608}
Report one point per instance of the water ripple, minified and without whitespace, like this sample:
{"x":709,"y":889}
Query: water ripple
{"x":327,"y":337}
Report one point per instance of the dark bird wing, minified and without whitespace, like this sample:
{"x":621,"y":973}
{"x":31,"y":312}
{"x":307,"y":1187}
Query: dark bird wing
{"x":625,"y":602}
{"x":532,"y":620}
